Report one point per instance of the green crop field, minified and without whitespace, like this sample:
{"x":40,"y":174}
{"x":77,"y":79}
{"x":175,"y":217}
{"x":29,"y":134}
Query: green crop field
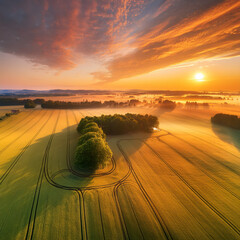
{"x":179,"y":182}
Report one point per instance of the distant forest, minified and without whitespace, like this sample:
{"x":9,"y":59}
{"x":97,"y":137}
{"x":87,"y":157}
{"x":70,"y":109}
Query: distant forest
{"x":67,"y":105}
{"x":88,"y":104}
{"x":165,"y":105}
{"x":15,"y":101}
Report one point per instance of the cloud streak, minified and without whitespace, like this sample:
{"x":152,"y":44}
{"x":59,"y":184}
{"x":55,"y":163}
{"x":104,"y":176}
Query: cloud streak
{"x":182,"y":32}
{"x":130,"y":37}
{"x":57,"y":33}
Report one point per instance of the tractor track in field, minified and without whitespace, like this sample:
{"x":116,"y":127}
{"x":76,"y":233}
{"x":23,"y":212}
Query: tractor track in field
{"x":33,"y":212}
{"x":204,"y":140}
{"x":207,"y":153}
{"x":145,"y":194}
{"x":100,"y":212}
{"x":200,"y":168}
{"x":45,"y":173}
{"x":27,"y":130}
{"x":132,"y":207}
{"x":207,"y":203}
{"x":17,"y":124}
{"x":80,"y":190}
{"x":115,"y":186}
{"x":15,"y":161}
{"x":75,"y":117}
{"x":29,"y":113}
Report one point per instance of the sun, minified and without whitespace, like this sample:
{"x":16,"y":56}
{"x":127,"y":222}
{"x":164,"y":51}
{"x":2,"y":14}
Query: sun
{"x":199,"y":77}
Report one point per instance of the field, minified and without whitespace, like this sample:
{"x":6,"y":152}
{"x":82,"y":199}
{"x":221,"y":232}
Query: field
{"x":179,"y":182}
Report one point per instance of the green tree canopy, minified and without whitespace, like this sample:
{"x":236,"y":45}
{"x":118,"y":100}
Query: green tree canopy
{"x":85,"y":137}
{"x":93,"y":153}
{"x":93,"y":129}
{"x":120,"y":124}
{"x":29,"y":104}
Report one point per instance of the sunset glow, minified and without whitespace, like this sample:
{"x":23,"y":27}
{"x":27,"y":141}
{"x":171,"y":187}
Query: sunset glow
{"x":199,"y":77}
{"x":119,"y":119}
{"x":79,"y":44}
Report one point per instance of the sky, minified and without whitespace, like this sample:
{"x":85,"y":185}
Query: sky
{"x":120,"y":44}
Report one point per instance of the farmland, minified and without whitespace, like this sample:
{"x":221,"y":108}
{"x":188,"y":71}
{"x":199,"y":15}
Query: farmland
{"x":179,"y":182}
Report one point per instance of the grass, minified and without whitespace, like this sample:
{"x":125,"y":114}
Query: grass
{"x":183,"y":185}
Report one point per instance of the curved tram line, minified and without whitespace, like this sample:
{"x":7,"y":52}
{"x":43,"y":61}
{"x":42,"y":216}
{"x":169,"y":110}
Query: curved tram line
{"x":207,"y":203}
{"x":44,"y":172}
{"x":80,"y":192}
{"x":121,"y":213}
{"x":33,"y":212}
{"x":146,"y":196}
{"x":3,"y":177}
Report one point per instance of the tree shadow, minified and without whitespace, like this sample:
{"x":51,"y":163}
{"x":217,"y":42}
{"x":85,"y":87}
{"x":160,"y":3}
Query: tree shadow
{"x":19,"y":190}
{"x":25,"y":187}
{"x":228,"y":135}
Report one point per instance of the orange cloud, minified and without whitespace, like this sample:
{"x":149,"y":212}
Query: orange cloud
{"x":200,"y":32}
{"x":54,"y":32}
{"x":129,"y":37}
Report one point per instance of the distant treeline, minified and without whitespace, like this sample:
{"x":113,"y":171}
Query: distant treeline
{"x":168,"y":105}
{"x":15,"y":101}
{"x":87,"y":104}
{"x":121,"y":124}
{"x":227,"y":120}
{"x":195,"y":105}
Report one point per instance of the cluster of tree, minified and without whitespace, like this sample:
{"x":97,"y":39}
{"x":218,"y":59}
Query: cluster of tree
{"x":13,"y":112}
{"x":15,"y":101}
{"x":92,"y":150}
{"x":168,"y":105}
{"x":29,"y":104}
{"x":88,"y":104}
{"x":121,"y":124}
{"x":195,"y":105}
{"x":227,"y":120}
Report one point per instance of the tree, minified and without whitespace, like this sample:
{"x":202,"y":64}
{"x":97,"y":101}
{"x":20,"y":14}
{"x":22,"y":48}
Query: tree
{"x":83,"y":122}
{"x":29,"y":104}
{"x":91,"y":124}
{"x":93,"y":153}
{"x":39,"y":101}
{"x":85,"y":137}
{"x":226,"y":120}
{"x":93,"y":129}
{"x":168,"y":105}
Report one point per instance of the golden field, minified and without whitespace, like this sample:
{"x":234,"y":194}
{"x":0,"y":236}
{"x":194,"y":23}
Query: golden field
{"x":179,"y":182}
